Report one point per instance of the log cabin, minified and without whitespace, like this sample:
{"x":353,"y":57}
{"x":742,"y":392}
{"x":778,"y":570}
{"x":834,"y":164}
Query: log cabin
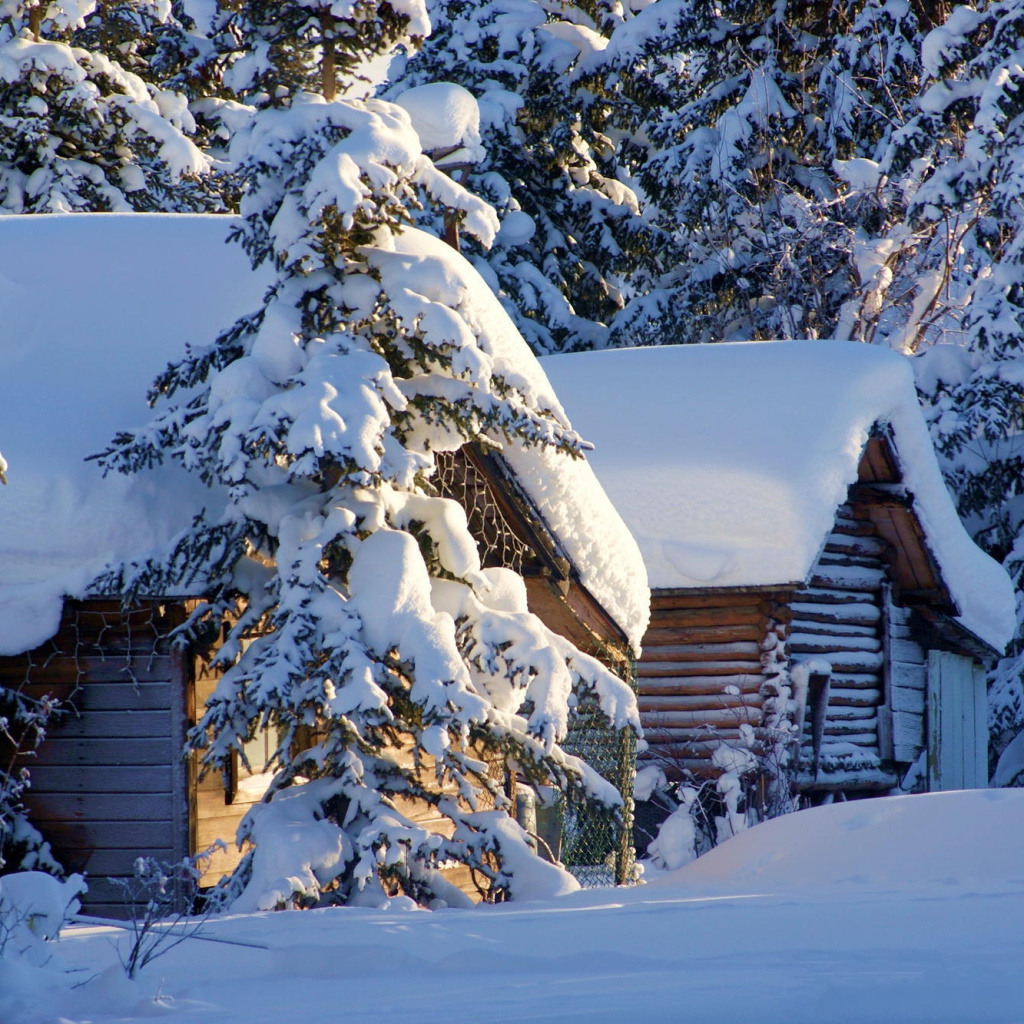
{"x":816,"y":600}
{"x":92,"y":307}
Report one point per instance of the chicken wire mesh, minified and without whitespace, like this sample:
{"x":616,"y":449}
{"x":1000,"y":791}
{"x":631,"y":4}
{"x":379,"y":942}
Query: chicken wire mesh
{"x":597,"y":844}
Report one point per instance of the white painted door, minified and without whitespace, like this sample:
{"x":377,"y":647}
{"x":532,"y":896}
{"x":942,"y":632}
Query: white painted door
{"x":957,"y":723}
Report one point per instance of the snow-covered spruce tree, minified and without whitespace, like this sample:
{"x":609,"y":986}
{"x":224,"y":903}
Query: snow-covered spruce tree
{"x":573,"y":247}
{"x":970,"y":147}
{"x":81,"y":131}
{"x":769,"y":158}
{"x":368,"y":640}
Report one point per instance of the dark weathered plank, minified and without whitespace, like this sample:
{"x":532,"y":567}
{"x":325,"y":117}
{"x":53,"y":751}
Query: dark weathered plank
{"x":114,"y":752}
{"x":843,"y":728}
{"x":824,"y":595}
{"x":108,"y":696}
{"x":99,"y":779}
{"x":851,"y":578}
{"x":690,"y":743}
{"x":658,"y":637}
{"x":99,"y":806}
{"x":716,"y":599}
{"x":693,"y":617}
{"x":67,"y":670}
{"x":687,"y":701}
{"x":722,"y":718}
{"x":700,"y":686}
{"x":854,"y":698}
{"x":856,"y":681}
{"x":702,"y":652}
{"x":85,"y":837}
{"x":654,"y":670}
{"x":864,"y":614}
{"x":825,"y":644}
{"x":94,"y":724}
{"x":851,"y":714}
{"x":839,"y":631}
{"x":848,"y":661}
{"x":103,"y":863}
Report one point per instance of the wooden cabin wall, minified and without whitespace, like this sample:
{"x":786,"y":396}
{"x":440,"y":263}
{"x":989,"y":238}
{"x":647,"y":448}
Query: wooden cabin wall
{"x":108,"y":782}
{"x":701,"y":673}
{"x":838,"y":617}
{"x":707,"y":658}
{"x":906,"y":686}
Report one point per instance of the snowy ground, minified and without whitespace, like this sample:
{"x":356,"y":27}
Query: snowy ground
{"x":901,"y":910}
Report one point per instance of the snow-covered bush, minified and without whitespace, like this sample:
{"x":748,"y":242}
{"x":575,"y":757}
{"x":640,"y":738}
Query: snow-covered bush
{"x":34,"y":906}
{"x":23,"y":723}
{"x":392,"y":670}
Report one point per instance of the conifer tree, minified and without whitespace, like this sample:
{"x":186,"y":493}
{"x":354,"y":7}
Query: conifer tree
{"x":79,"y":128}
{"x":385,"y":662}
{"x":573,"y":250}
{"x":768,"y":158}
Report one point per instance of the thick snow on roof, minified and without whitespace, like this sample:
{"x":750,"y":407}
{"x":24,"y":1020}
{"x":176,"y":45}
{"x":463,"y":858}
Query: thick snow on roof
{"x":728,"y":461}
{"x":92,"y":307}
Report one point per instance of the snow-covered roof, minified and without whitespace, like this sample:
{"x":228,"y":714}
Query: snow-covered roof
{"x":728,"y":461}
{"x":92,"y":307}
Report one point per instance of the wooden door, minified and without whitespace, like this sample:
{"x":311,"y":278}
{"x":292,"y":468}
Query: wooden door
{"x":957,"y":723}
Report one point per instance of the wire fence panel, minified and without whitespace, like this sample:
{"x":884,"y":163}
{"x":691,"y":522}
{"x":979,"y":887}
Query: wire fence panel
{"x":597,"y":844}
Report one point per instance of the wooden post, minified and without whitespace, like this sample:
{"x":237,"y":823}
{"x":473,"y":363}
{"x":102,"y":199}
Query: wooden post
{"x":886,"y":745}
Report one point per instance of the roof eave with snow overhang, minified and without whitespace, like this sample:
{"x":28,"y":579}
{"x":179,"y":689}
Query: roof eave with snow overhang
{"x":729,"y":461}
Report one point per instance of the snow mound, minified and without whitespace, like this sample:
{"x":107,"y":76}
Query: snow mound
{"x":728,"y":461}
{"x":969,"y":839}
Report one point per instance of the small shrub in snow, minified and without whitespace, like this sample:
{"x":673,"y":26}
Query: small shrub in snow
{"x":160,"y":899}
{"x":23,"y":722}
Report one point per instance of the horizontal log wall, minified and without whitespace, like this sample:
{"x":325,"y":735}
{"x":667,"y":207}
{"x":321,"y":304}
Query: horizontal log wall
{"x":108,"y":782}
{"x":838,"y":618}
{"x":701,"y":674}
{"x":907,"y":677}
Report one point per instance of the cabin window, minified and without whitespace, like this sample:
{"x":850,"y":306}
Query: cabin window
{"x":247,"y":785}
